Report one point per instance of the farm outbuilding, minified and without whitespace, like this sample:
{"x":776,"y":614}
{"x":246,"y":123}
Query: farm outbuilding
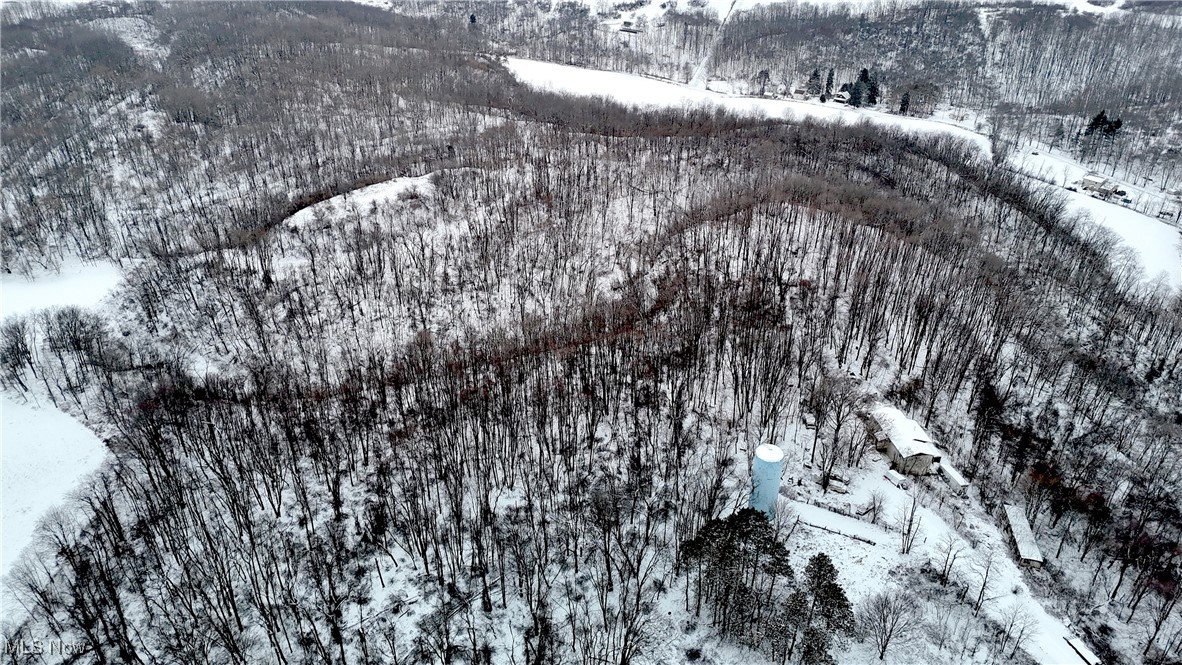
{"x":1094,"y":182}
{"x":1088,"y":656}
{"x":956,"y":482}
{"x":1028,"y":553}
{"x":904,"y":441}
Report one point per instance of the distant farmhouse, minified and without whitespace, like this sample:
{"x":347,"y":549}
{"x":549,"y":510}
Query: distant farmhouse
{"x":904,"y":441}
{"x":842,"y":97}
{"x":1094,"y":182}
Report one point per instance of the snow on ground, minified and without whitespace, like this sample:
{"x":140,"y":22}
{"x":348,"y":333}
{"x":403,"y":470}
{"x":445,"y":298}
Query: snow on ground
{"x":866,"y":569}
{"x":1156,"y":242}
{"x":43,"y":455}
{"x":645,"y":92}
{"x":81,"y":284}
{"x":362,"y":199}
{"x":43,"y":451}
{"x":137,"y":33}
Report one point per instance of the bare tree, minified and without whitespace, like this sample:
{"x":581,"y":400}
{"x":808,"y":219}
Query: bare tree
{"x":1018,"y":624}
{"x":949,"y":550}
{"x":874,"y":506}
{"x":889,"y":616}
{"x":909,"y":520}
{"x":984,"y":569}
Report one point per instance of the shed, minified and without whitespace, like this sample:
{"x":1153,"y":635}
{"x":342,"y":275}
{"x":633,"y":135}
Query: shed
{"x":908,"y":446}
{"x":953,"y":478}
{"x":842,"y":97}
{"x":1028,"y":552}
{"x":897,"y":479}
{"x":1084,"y":652}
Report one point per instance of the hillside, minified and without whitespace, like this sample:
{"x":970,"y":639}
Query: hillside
{"x":400,"y":338}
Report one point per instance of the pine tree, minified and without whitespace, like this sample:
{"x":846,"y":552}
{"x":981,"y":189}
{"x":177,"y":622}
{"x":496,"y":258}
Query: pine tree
{"x":735,"y":563}
{"x":814,"y":84}
{"x":905,"y":103}
{"x":857,"y":92}
{"x":814,"y":647}
{"x":815,"y":614}
{"x":829,"y":84}
{"x":1098,"y":123}
{"x":829,"y":600}
{"x":762,"y":79}
{"x":872,"y":91}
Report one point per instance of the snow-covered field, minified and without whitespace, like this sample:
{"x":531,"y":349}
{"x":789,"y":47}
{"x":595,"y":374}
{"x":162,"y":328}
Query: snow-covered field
{"x":43,"y":451}
{"x":43,"y":455}
{"x":81,"y":284}
{"x":1157,"y":243}
{"x":645,"y":92}
{"x":362,"y":199}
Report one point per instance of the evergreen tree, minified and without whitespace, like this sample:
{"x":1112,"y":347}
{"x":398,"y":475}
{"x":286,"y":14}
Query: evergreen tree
{"x":814,"y":614}
{"x":829,"y":84}
{"x":857,"y":93}
{"x":814,"y":647}
{"x":734,"y":564}
{"x":905,"y":103}
{"x":814,"y":85}
{"x":864,"y":75}
{"x":872,"y":91}
{"x":1099,"y":122}
{"x":830,"y":604}
{"x":762,"y":79}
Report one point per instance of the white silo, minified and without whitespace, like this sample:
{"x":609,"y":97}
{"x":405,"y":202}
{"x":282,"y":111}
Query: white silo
{"x":765,"y":478}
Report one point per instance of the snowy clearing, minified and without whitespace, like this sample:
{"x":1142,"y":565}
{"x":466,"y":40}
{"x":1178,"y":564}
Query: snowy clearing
{"x":43,"y":455}
{"x":81,"y":284}
{"x":1158,"y":245}
{"x":652,"y":93}
{"x":362,"y":199}
{"x":44,"y":451}
{"x":867,"y":568}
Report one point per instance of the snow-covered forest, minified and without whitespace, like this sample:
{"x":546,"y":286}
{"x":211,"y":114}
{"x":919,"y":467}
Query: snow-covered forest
{"x":419,"y":356}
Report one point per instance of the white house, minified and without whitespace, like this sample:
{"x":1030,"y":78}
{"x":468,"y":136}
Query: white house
{"x":842,"y":97}
{"x":904,"y":441}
